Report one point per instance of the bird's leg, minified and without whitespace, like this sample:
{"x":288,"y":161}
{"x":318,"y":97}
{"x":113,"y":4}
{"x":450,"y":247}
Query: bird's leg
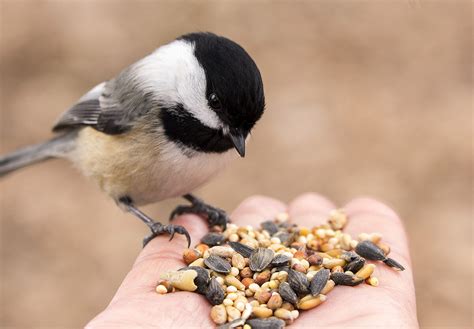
{"x":215,"y":216}
{"x":156,"y":227}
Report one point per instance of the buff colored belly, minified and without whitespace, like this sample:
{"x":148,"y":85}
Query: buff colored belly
{"x":135,"y":165}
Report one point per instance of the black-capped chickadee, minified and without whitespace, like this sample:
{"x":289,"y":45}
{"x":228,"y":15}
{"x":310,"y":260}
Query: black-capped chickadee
{"x":163,"y":127}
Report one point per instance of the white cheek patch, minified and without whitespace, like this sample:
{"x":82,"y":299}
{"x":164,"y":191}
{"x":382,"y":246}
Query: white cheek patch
{"x":174,"y":75}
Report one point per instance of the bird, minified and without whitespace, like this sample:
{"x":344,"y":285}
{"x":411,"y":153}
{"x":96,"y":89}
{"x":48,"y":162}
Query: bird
{"x":161,"y":128}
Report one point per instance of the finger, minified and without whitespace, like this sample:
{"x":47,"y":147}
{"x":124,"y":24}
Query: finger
{"x":310,"y":209}
{"x":392,"y":303}
{"x":256,"y":209}
{"x":161,"y":255}
{"x":369,"y":215}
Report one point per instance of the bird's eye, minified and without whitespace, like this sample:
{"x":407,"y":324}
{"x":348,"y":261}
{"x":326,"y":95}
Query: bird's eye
{"x":214,"y":102}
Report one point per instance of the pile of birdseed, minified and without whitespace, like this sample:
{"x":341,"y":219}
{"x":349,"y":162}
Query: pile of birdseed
{"x":264,"y":278}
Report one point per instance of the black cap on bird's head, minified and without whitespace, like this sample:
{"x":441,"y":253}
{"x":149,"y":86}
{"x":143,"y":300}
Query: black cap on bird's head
{"x":234,"y":87}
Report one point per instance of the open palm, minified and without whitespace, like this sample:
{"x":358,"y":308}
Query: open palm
{"x":391,"y":304}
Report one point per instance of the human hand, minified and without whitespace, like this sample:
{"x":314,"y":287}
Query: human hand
{"x":391,"y":304}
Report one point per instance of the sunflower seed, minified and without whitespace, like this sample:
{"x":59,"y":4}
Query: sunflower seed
{"x":393,"y":263}
{"x":298,"y":282}
{"x":260,"y":259}
{"x":217,"y":264}
{"x":213,"y":239}
{"x":318,"y":281}
{"x":202,"y":279}
{"x":270,"y":227}
{"x":287,"y":293}
{"x":281,"y":260}
{"x":355,"y":265}
{"x":371,"y":251}
{"x":241,"y":248}
{"x":282,"y":268}
{"x":215,"y":294}
{"x":350,"y":256}
{"x":285,"y":238}
{"x":344,"y":279}
{"x":269,"y":323}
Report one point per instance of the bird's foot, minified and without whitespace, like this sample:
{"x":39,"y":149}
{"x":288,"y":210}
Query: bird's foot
{"x":158,"y":229}
{"x":215,"y":216}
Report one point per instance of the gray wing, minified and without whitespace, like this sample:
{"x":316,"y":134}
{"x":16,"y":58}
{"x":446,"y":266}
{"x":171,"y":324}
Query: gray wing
{"x":111,"y":107}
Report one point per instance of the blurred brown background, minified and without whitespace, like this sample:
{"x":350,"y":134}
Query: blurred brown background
{"x":363,"y":98}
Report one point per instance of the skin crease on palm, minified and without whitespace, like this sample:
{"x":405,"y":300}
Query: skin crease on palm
{"x":390,"y":305}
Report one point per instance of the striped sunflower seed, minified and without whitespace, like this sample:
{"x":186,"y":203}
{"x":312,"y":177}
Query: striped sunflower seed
{"x":298,"y":282}
{"x":217,"y":264}
{"x":280,"y":260}
{"x":241,"y":248}
{"x":287,"y":293}
{"x":215,"y":294}
{"x":260,"y":259}
{"x":318,"y":281}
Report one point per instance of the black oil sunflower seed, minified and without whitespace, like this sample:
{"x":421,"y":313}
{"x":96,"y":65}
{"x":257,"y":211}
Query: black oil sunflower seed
{"x":268,"y":323}
{"x":214,"y":293}
{"x":217,"y":264}
{"x":298,"y":282}
{"x":285,"y":238}
{"x":349,"y":256}
{"x":344,"y":279}
{"x":270,"y":227}
{"x":318,"y":281}
{"x":355,"y":265}
{"x":280,"y":260}
{"x":213,"y":239}
{"x":371,"y":251}
{"x":393,"y":263}
{"x":287,"y":293}
{"x":260,"y":259}
{"x":241,"y":248}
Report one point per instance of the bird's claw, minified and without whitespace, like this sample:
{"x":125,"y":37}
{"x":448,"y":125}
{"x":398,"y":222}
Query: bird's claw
{"x":180,"y":210}
{"x":158,"y":229}
{"x":215,"y":216}
{"x":218,"y":217}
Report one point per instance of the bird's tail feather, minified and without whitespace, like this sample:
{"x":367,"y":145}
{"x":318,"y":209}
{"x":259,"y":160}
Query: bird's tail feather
{"x":52,"y":148}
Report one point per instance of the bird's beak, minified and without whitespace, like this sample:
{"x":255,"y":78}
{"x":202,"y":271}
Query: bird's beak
{"x":238,"y":139}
